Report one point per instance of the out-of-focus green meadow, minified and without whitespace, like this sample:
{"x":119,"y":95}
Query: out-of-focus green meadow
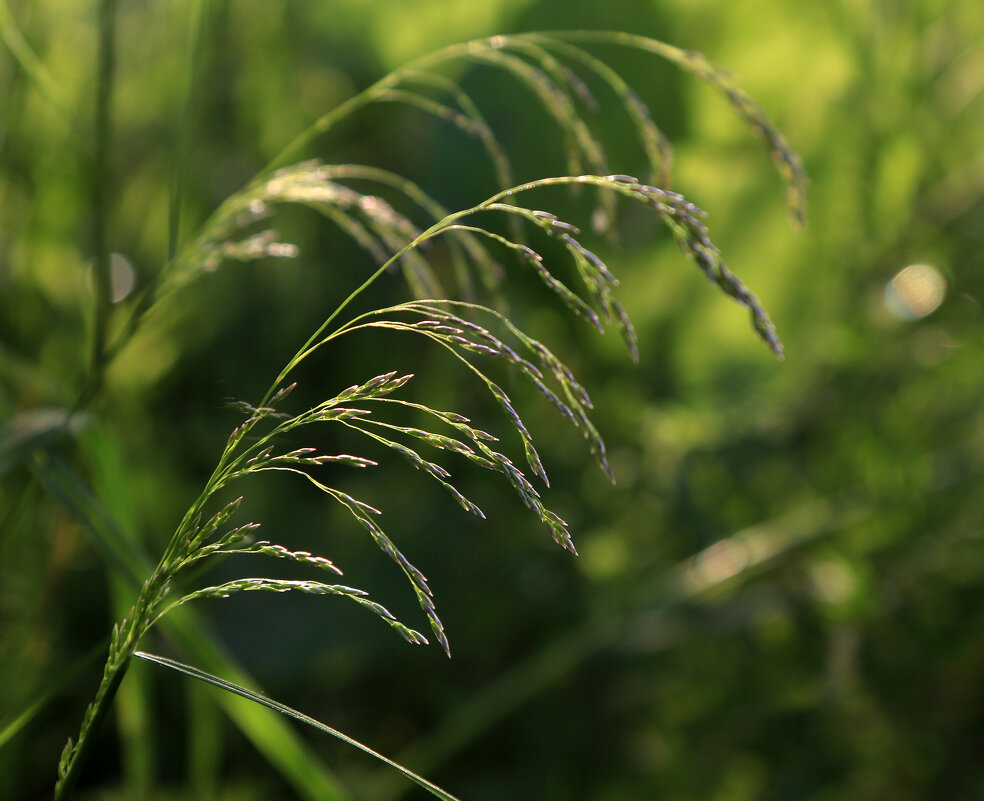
{"x":782,"y":596}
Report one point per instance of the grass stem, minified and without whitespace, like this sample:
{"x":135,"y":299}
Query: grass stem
{"x":101,"y":278}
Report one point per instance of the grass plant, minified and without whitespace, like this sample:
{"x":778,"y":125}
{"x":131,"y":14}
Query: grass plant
{"x":456,"y":311}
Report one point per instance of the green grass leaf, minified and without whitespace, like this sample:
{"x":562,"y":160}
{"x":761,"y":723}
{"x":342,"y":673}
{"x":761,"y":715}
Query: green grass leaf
{"x":283,"y":709}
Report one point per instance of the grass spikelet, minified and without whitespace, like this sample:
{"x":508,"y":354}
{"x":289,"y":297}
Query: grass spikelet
{"x":266,"y":548}
{"x":308,"y":587}
{"x":361,"y":512}
{"x":573,"y":301}
{"x":307,"y":456}
{"x":683,"y":218}
{"x":282,"y":393}
{"x":358,"y":233}
{"x":258,"y":246}
{"x":433,"y":469}
{"x":579,"y":88}
{"x":235,"y":536}
{"x":629,"y":336}
{"x":595,"y":443}
{"x":375,"y":387}
{"x":263,"y":548}
{"x":218,"y":520}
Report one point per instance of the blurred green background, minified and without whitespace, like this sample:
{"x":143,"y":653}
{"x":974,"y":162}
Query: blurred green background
{"x":780,"y":599}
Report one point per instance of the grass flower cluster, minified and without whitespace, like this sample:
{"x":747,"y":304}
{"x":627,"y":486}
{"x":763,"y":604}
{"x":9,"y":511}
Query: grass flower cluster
{"x":484,"y":243}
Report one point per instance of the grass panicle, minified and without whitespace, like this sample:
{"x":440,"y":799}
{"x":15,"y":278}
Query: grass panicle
{"x":399,"y":224}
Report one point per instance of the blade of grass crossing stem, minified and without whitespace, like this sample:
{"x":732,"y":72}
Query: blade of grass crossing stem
{"x":277,"y":742}
{"x":283,"y":709}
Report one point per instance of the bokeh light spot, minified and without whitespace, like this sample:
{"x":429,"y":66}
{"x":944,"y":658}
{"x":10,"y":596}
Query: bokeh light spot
{"x":122,"y":277}
{"x":915,"y":292}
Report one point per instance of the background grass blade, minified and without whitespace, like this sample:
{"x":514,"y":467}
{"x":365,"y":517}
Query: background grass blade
{"x":35,"y":70}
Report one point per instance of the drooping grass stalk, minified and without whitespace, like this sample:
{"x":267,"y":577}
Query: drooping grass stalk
{"x":283,"y":709}
{"x":493,"y":51}
{"x":696,"y":63}
{"x":478,"y":125}
{"x":787,"y":160}
{"x":479,"y":338}
{"x":658,"y":149}
{"x":681,"y":216}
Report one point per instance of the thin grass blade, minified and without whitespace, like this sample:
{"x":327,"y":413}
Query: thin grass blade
{"x":283,"y":709}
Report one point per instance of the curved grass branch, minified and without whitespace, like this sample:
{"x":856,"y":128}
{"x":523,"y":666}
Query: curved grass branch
{"x":681,"y":216}
{"x":788,"y":161}
{"x":262,"y":584}
{"x":491,"y":50}
{"x":284,"y":750}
